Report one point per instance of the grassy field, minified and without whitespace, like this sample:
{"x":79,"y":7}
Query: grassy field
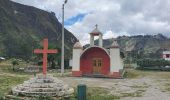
{"x":10,"y":78}
{"x":133,"y":74}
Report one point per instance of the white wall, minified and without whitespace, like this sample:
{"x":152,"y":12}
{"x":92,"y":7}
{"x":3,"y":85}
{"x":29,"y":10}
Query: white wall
{"x":164,"y":55}
{"x":76,"y":59}
{"x":71,"y":62}
{"x":115,"y":60}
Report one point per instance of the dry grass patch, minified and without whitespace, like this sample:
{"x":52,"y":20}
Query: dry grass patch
{"x":138,"y":93}
{"x":7,"y":82}
{"x":166,"y":87}
{"x":134,"y":74}
{"x":97,"y":93}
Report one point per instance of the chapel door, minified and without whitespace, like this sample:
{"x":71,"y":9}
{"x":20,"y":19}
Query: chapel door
{"x":97,"y":65}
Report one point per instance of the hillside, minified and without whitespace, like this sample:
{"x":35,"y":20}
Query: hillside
{"x":147,"y":46}
{"x":23,"y":27}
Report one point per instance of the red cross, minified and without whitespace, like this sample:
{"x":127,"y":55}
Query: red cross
{"x":45,"y":51}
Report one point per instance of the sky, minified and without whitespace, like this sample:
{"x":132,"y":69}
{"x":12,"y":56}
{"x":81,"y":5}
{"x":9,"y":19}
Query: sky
{"x":114,"y":17}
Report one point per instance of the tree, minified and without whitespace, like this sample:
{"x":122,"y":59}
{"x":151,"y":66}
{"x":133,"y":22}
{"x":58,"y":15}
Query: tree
{"x":14,"y":63}
{"x":51,"y":57}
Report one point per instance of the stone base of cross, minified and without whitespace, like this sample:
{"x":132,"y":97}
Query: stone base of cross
{"x":45,"y":51}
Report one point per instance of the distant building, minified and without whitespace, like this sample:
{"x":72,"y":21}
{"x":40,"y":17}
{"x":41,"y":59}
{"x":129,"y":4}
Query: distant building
{"x":96,"y":60}
{"x":166,"y":55}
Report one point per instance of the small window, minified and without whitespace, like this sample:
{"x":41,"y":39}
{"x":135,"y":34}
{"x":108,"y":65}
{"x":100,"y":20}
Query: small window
{"x":97,"y":62}
{"x":167,"y":55}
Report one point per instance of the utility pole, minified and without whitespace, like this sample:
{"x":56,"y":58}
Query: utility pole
{"x":62,"y":51}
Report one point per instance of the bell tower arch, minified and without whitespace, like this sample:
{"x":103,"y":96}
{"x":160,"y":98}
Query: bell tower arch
{"x":94,"y":33}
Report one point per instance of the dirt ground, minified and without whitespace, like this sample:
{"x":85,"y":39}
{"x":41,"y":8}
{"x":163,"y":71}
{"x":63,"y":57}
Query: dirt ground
{"x":147,"y":85}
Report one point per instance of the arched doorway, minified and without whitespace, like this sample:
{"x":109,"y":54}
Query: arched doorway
{"x":95,"y":60}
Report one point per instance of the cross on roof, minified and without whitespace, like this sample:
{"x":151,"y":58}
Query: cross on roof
{"x":96,"y":26}
{"x":45,"y":52}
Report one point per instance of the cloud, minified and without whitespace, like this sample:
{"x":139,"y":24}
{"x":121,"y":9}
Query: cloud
{"x":110,"y":34}
{"x":114,"y":17}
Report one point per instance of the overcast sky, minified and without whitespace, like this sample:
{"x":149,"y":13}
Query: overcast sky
{"x":114,"y":17}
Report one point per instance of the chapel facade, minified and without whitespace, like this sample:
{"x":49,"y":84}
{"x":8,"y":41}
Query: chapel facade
{"x":95,"y":60}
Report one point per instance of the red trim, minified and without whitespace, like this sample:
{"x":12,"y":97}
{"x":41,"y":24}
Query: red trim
{"x":115,"y":75}
{"x":77,"y":73}
{"x":114,"y":46}
{"x":95,"y":34}
{"x":167,"y":55}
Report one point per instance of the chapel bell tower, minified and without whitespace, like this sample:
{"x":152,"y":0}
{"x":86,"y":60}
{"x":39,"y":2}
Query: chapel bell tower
{"x":94,"y":33}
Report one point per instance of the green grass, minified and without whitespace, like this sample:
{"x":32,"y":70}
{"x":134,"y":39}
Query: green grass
{"x":7,"y":82}
{"x":131,"y":74}
{"x":7,"y":69}
{"x":97,"y":93}
{"x":134,"y":74}
{"x":9,"y":78}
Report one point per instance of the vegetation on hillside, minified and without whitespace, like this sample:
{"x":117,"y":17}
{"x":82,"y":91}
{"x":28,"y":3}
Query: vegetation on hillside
{"x":153,"y":64}
{"x":140,"y":46}
{"x":22,"y":28}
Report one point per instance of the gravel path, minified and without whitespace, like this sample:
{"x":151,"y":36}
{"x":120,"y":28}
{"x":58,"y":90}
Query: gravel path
{"x":144,"y":88}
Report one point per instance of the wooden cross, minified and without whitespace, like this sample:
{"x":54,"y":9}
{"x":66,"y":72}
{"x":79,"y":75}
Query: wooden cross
{"x":45,"y":51}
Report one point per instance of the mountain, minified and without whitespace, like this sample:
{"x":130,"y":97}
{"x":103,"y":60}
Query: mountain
{"x":141,"y":46}
{"x":22,"y":28}
{"x":145,"y":46}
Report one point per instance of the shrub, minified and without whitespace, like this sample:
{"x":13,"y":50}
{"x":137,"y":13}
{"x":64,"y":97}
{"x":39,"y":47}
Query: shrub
{"x":159,"y":63}
{"x":14,"y":63}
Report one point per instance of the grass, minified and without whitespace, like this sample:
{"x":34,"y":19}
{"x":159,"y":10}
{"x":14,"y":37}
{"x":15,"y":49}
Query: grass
{"x":56,"y":73}
{"x":139,"y":86}
{"x":9,"y":78}
{"x":137,"y":93}
{"x":6,"y":82}
{"x":134,"y":74}
{"x":166,"y":87}
{"x":97,"y":93}
{"x":131,"y":74}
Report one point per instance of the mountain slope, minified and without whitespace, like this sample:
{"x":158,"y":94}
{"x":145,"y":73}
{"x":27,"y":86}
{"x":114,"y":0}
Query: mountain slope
{"x":147,"y":46}
{"x":23,"y":27}
{"x":150,"y":46}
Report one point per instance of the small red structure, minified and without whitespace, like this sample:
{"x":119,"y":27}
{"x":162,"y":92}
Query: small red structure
{"x":95,"y":60}
{"x":166,"y":55}
{"x":45,"y":51}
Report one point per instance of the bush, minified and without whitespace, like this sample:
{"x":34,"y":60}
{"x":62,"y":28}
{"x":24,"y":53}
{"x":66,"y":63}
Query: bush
{"x":14,"y":63}
{"x":157,"y":63}
{"x":1,"y":97}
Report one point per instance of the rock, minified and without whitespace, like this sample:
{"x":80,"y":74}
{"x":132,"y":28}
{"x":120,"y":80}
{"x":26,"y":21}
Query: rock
{"x":31,"y":69}
{"x":43,"y":86}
